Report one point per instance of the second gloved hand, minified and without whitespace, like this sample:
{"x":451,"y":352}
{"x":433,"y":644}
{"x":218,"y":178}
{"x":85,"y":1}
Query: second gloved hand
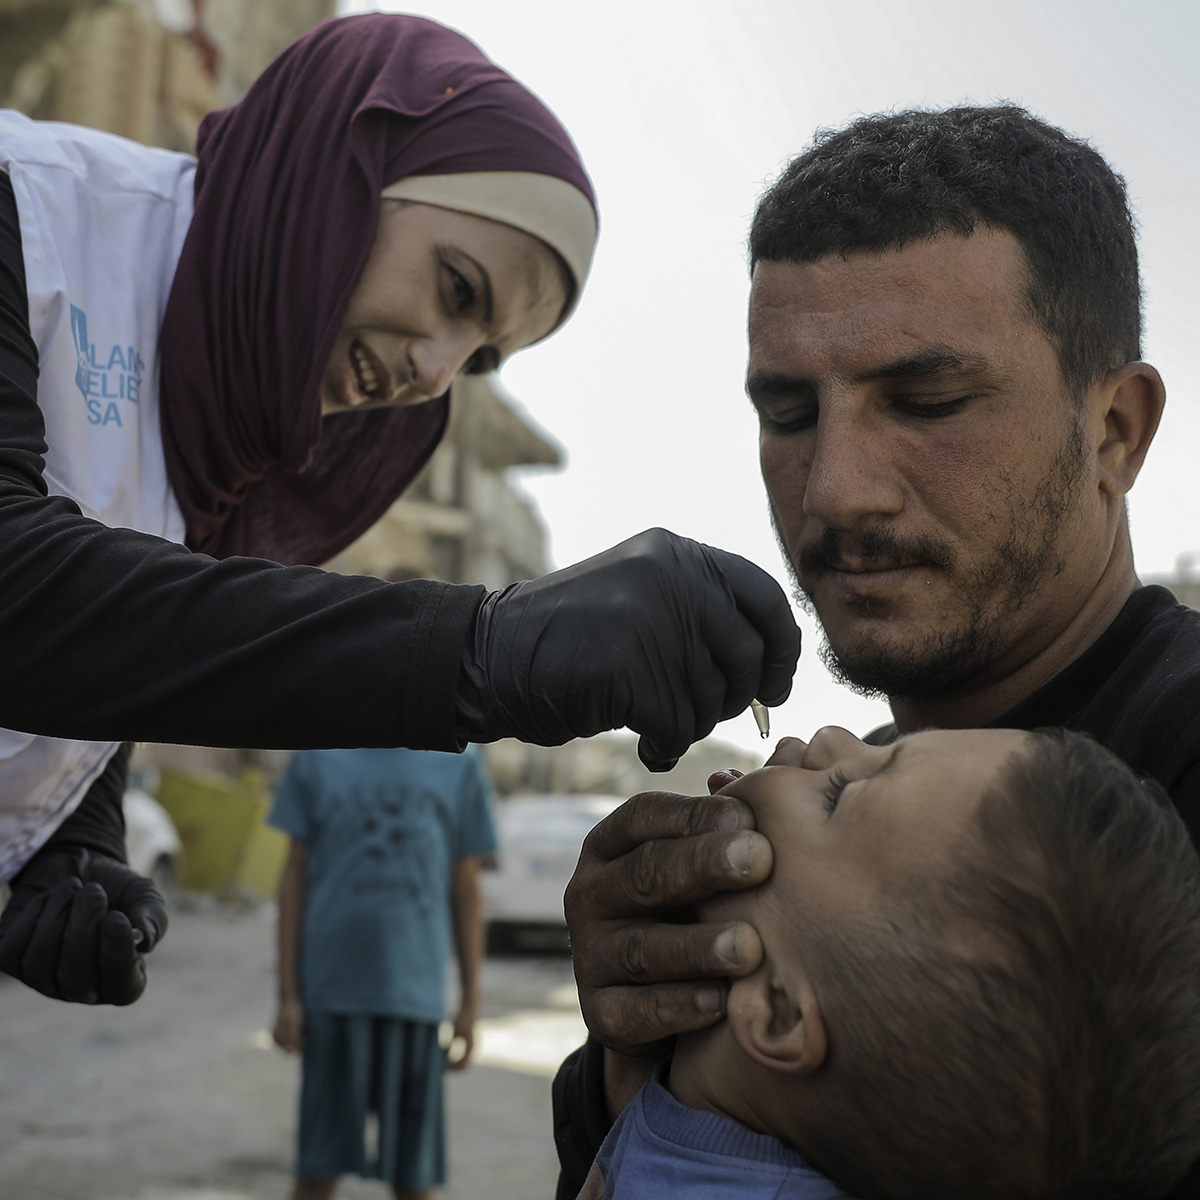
{"x":78,"y":925}
{"x":661,"y":634}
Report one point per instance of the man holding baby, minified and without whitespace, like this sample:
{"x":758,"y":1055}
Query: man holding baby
{"x":945,"y":360}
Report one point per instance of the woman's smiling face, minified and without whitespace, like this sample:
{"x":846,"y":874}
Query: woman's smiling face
{"x":443,"y":292}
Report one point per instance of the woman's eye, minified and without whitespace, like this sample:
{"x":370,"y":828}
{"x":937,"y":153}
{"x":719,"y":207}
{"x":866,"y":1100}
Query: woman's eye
{"x":834,"y":789}
{"x":464,"y":290}
{"x":480,"y":363}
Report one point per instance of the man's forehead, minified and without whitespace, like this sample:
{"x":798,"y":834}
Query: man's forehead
{"x":989,"y":265}
{"x":856,"y":313}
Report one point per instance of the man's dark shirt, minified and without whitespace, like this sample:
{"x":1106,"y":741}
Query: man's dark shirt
{"x":1136,"y":690}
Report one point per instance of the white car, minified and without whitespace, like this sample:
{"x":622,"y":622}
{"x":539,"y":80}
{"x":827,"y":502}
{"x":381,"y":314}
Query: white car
{"x":540,"y":838}
{"x":151,"y":840}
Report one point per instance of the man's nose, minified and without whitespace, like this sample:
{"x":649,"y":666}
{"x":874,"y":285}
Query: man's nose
{"x":853,"y":476}
{"x":435,"y":361}
{"x":833,"y":746}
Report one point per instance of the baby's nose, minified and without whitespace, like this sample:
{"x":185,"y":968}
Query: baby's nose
{"x":834,"y":745}
{"x":788,"y":752}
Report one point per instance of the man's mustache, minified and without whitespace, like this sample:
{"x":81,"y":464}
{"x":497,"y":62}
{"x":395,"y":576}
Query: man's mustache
{"x":876,"y":549}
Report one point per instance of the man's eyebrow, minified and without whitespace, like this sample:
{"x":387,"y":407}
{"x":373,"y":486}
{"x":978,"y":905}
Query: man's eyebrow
{"x":486,"y":284}
{"x":763,"y":385}
{"x":928,"y":364}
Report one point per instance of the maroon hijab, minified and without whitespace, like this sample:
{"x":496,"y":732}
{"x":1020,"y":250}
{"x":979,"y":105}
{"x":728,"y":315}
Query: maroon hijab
{"x":287,"y":201}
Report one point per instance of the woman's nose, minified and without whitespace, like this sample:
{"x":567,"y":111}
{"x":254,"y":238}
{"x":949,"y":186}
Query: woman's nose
{"x":835,"y":746}
{"x":434,"y":362}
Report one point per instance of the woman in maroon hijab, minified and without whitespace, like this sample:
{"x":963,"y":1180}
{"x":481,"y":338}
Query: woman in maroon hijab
{"x":288,"y":215}
{"x":214,"y":371}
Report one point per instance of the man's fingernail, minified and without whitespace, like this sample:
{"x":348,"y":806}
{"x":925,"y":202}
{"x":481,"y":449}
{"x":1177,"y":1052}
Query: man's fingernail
{"x":730,"y":818}
{"x":710,"y":1000}
{"x":741,"y":853}
{"x":726,"y":948}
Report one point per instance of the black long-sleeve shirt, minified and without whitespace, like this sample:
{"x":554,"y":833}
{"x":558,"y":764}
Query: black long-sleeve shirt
{"x":110,"y":635}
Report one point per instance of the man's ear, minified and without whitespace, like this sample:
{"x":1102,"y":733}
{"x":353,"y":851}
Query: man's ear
{"x":1132,"y":403}
{"x":777,"y":1020}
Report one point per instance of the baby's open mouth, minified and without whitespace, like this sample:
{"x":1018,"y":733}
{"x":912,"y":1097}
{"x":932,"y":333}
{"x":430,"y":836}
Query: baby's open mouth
{"x":366,"y":378}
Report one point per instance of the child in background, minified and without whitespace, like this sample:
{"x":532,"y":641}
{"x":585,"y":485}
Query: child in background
{"x":980,"y":981}
{"x":382,"y":872}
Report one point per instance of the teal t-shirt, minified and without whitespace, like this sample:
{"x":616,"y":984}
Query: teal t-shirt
{"x":384,"y":830}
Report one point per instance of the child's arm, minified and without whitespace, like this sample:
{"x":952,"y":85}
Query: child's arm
{"x":289,"y":1020}
{"x":466,"y":905}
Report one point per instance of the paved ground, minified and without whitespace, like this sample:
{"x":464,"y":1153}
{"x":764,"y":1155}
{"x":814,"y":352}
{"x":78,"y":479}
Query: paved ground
{"x":182,"y":1096}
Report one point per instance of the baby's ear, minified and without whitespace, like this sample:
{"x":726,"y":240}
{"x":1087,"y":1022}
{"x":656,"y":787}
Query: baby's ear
{"x":777,"y":1020}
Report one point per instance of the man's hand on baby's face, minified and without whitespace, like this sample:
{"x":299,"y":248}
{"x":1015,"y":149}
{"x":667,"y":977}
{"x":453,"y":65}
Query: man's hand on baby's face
{"x":644,"y":976}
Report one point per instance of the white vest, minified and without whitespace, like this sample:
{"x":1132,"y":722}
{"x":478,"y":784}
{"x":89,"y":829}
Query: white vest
{"x":102,"y":227}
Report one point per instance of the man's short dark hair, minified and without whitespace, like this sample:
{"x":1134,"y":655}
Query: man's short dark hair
{"x":1027,"y":1025}
{"x":888,"y":180}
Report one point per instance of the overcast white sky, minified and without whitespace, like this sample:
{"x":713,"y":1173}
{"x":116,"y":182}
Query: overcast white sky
{"x":685,"y":110}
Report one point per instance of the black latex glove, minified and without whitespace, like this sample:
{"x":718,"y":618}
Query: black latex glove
{"x":78,"y":925}
{"x":660,"y":633}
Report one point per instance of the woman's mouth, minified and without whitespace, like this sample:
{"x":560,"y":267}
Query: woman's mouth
{"x":370,"y":375}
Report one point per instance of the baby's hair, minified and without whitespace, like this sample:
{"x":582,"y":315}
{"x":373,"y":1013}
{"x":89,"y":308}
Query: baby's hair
{"x":1028,"y":1024}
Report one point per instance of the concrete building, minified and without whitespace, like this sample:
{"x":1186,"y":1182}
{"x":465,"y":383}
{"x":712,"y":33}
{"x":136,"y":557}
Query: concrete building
{"x":463,"y":520}
{"x":144,"y":69}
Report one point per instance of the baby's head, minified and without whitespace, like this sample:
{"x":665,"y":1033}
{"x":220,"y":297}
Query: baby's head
{"x":981,"y":971}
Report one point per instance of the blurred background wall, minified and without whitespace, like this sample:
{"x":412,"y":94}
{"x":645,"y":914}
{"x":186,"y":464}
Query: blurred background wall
{"x":144,"y":69}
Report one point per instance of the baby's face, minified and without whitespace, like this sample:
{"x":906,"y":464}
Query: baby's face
{"x":848,"y":821}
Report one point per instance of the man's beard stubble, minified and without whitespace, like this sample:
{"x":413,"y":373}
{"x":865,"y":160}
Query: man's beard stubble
{"x":949,"y":659}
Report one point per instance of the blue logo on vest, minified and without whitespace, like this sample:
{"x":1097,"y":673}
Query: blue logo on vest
{"x":104,"y":379}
